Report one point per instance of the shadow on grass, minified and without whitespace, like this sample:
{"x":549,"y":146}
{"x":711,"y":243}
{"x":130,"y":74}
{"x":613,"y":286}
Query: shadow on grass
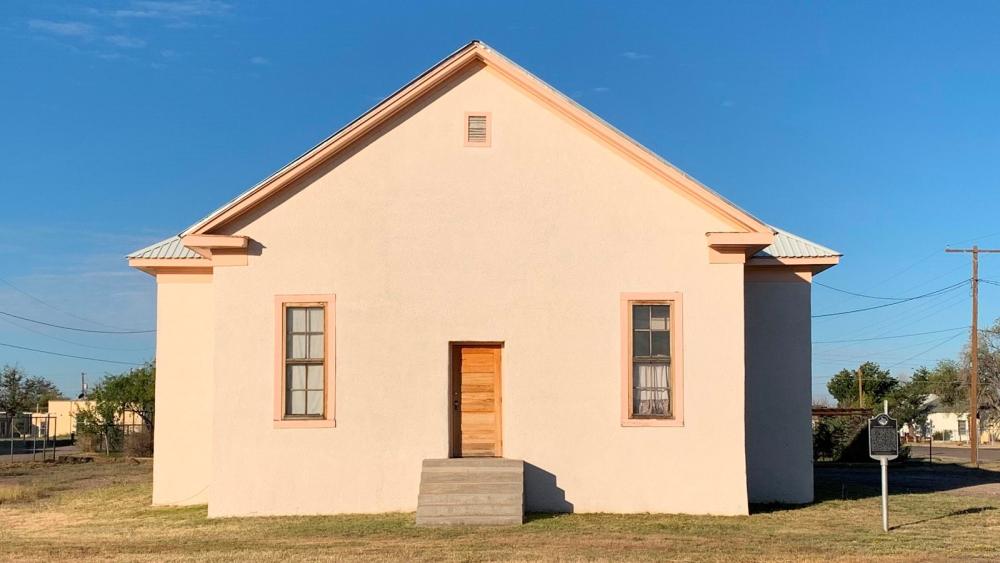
{"x":976,"y":510}
{"x":859,"y":481}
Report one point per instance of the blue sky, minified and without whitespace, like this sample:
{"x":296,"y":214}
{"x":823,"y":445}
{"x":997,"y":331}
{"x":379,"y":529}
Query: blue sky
{"x":871,"y":128}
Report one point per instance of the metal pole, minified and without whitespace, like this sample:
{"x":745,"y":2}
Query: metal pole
{"x":884,"y":462}
{"x":55,"y":437}
{"x":885,"y":494}
{"x":45,"y":439}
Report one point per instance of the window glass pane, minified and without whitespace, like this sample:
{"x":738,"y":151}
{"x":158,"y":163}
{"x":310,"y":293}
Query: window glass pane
{"x":297,"y":377}
{"x":316,"y":319}
{"x":315,"y":402}
{"x":296,"y":319}
{"x":640,"y":316}
{"x":660,"y":314}
{"x":640,"y":342}
{"x":315,"y":377}
{"x":296,"y":346}
{"x":316,"y":346}
{"x":297,"y":402}
{"x":661,"y":343}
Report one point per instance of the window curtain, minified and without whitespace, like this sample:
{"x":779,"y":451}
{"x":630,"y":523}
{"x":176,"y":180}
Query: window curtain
{"x":652,"y":390}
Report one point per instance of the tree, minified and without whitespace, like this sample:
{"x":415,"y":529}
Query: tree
{"x":132,"y":391}
{"x":876,"y":385}
{"x":908,"y":401}
{"x":12,"y":397}
{"x":38,"y":391}
{"x":948,"y":380}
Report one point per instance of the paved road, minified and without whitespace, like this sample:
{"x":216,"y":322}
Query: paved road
{"x":858,"y":482}
{"x":985,"y":454}
{"x":62,"y":450}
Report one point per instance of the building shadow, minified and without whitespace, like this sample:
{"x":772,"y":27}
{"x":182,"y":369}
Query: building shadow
{"x":542,"y":493}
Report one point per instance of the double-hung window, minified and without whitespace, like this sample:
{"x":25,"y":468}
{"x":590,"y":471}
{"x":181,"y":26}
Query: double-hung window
{"x":651,"y":383}
{"x":303,"y":378}
{"x":304,"y":361}
{"x":651,"y":360}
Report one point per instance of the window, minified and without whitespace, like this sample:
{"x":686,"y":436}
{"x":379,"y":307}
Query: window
{"x":304,"y":352}
{"x":652,"y":385}
{"x":304,"y":363}
{"x":651,"y":359}
{"x":963,"y":428}
{"x":477,"y":129}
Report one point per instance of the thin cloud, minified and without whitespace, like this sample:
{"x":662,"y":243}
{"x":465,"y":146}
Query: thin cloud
{"x":601,"y":89}
{"x":125,"y":41}
{"x":635,"y":56}
{"x":64,"y":29}
{"x":258,"y":60}
{"x":171,"y":10}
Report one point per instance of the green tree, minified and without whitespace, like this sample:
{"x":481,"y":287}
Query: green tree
{"x":132,"y":391}
{"x":12,"y":397}
{"x":876,"y":385}
{"x":909,"y":403}
{"x":948,"y":382}
{"x":38,"y":391}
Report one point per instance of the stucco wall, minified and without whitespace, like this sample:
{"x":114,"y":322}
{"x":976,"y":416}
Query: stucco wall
{"x":529,"y":242}
{"x":183,"y":430}
{"x":779,"y":390}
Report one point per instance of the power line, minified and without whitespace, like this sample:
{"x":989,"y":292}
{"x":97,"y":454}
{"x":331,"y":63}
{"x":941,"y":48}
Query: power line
{"x":69,"y":355}
{"x":938,"y":345}
{"x":75,"y":328}
{"x":857,"y":294}
{"x":889,"y":337}
{"x":53,"y":307}
{"x":905,"y":300}
{"x":73,"y":342}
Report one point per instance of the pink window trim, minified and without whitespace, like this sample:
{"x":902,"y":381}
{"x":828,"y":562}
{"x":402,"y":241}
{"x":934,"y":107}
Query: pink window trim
{"x":489,"y":129}
{"x":330,"y":364}
{"x":676,"y":359}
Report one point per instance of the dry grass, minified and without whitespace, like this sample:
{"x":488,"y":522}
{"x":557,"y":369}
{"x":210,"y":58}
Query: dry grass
{"x":101,"y":511}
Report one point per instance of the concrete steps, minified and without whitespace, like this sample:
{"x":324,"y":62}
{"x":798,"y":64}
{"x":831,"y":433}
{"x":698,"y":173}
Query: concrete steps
{"x":471,"y":492}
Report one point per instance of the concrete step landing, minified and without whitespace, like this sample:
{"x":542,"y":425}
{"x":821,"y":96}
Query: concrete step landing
{"x":471,"y":492}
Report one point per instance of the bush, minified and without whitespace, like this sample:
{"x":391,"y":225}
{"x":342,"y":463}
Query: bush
{"x":139,"y":444}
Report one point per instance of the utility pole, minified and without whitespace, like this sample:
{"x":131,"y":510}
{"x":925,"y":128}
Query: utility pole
{"x":861,"y":397}
{"x":974,"y":351}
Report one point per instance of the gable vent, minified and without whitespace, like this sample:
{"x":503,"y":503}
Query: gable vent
{"x":477,"y":130}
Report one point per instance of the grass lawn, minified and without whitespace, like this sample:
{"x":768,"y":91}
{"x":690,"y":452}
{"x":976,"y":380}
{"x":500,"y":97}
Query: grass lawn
{"x":101,"y":511}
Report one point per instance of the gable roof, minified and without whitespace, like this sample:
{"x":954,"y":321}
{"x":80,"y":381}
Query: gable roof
{"x":477,"y":51}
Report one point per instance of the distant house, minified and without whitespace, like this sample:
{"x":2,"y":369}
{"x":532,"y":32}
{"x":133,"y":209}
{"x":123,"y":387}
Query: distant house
{"x":946,"y":423}
{"x":479,"y":267}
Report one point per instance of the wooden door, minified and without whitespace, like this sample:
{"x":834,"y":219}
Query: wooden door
{"x":475,"y":400}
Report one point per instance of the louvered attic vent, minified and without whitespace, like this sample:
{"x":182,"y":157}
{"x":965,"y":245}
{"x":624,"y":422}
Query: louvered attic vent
{"x":477,"y":131}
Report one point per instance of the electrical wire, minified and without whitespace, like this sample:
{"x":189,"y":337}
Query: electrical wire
{"x":906,"y":300}
{"x":73,"y":342}
{"x":889,"y":337}
{"x":54,"y":308}
{"x":76,"y":328}
{"x":857,"y":294}
{"x":69,"y":355}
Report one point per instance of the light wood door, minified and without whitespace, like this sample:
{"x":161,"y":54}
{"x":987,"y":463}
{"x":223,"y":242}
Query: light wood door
{"x":475,"y":405}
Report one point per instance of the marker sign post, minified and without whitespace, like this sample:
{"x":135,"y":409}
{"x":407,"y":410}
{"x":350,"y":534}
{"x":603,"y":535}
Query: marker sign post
{"x":883,"y":445}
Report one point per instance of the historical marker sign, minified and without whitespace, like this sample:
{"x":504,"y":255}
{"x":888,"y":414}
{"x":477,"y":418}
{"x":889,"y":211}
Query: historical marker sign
{"x":883,"y":437}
